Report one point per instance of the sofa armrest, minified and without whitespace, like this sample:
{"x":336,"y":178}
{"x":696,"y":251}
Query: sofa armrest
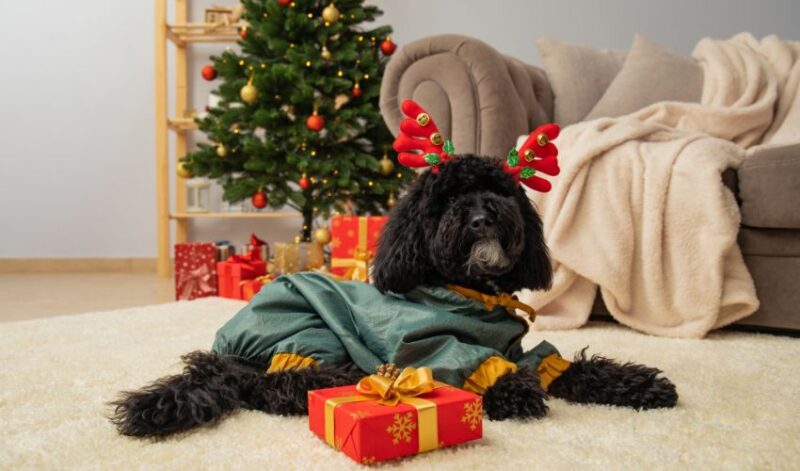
{"x":769,"y":187}
{"x":480,"y":99}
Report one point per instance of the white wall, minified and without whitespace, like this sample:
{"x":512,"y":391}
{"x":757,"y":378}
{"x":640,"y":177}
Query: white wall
{"x":76,"y":90}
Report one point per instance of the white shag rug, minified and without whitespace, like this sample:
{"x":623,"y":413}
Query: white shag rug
{"x":739,"y":406}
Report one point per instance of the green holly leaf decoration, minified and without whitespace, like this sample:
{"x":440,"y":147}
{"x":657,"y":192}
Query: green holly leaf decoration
{"x":432,"y":159}
{"x":449,"y":148}
{"x":527,"y":172}
{"x":513,"y":158}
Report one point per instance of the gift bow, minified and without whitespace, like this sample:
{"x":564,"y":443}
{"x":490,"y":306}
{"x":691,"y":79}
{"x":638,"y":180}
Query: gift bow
{"x":412,"y":382}
{"x":193,"y":279}
{"x":359,"y":271}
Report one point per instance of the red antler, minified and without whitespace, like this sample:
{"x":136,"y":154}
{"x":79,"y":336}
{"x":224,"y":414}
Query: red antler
{"x":419,"y":134}
{"x":537,"y":154}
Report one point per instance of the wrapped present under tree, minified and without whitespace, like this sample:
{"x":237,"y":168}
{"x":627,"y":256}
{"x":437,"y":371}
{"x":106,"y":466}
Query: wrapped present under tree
{"x":195,"y":270}
{"x":354,"y":241}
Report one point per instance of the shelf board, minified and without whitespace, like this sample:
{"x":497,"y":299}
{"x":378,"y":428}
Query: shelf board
{"x":182,"y":124}
{"x":234,"y":215}
{"x":182,"y":33}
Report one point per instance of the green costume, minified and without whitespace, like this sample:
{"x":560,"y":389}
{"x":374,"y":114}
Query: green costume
{"x":313,"y":319}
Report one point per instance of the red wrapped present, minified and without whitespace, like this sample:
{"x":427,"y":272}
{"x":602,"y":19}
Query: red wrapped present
{"x":250,"y":288}
{"x":195,"y":270}
{"x":354,"y":240}
{"x":383,"y":418}
{"x":239,"y":268}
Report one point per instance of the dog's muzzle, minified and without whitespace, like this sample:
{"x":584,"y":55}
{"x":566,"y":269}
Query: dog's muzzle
{"x":487,"y":256}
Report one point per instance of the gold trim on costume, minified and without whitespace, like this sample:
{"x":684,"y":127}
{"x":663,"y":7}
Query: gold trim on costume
{"x":290,"y":361}
{"x":551,"y":367}
{"x":490,"y":301}
{"x":487,"y":374}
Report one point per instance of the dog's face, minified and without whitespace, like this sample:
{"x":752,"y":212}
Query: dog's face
{"x":469,"y":224}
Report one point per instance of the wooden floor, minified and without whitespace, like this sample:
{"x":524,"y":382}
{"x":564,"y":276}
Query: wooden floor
{"x":35,"y":295}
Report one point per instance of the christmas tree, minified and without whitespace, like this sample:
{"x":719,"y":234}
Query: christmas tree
{"x":298,"y":121}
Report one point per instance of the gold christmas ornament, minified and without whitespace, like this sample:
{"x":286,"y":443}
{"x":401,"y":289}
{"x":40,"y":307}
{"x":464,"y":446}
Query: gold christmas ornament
{"x":387,"y":166}
{"x":325,"y":54}
{"x":181,"y":170}
{"x":222,"y":151}
{"x":331,"y":14}
{"x":391,"y":201}
{"x":322,"y":235}
{"x":249,"y":93}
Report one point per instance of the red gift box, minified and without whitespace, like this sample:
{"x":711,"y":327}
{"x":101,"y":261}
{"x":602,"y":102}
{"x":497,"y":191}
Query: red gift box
{"x":250,"y":288}
{"x":354,"y":240}
{"x":369,"y":432}
{"x":195,"y":270}
{"x":235,"y":270}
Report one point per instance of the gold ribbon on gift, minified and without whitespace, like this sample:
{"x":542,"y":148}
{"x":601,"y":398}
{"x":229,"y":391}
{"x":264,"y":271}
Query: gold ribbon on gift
{"x":358,"y":266}
{"x":387,"y":391}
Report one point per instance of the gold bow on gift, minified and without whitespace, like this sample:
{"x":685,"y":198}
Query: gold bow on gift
{"x":359,"y":271}
{"x":410,"y":383}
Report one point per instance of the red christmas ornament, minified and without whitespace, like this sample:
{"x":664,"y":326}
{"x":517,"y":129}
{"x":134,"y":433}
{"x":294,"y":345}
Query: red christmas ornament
{"x":259,"y":199}
{"x":304,"y":183}
{"x":284,"y":3}
{"x":388,"y":47}
{"x":243,"y":32}
{"x":209,"y":72}
{"x":357,"y":92}
{"x":315,"y":122}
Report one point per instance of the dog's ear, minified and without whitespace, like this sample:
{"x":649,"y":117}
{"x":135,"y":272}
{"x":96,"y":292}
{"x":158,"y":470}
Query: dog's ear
{"x":402,"y":261}
{"x":533,"y":269}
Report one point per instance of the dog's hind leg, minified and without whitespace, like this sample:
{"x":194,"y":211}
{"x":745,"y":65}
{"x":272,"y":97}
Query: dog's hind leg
{"x":598,"y":380}
{"x":212,"y":386}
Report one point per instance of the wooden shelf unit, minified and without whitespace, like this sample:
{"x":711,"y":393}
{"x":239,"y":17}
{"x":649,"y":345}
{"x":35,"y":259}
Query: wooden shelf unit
{"x":181,"y":33}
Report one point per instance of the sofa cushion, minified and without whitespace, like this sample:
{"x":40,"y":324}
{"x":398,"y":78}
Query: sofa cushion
{"x":651,"y":73}
{"x":769,"y":187}
{"x":579,"y":75}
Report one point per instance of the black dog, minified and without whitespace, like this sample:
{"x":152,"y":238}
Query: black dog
{"x":468,"y":224}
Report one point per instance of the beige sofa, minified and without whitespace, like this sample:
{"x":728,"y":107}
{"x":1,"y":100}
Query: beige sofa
{"x":484,"y":100}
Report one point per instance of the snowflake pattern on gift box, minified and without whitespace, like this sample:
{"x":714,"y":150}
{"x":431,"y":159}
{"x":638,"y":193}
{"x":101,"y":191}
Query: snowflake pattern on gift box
{"x":472,"y":414}
{"x":402,"y":428}
{"x":368,"y":460}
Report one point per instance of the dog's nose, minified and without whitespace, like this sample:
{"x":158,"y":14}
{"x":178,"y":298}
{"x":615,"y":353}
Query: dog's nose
{"x":480,"y":222}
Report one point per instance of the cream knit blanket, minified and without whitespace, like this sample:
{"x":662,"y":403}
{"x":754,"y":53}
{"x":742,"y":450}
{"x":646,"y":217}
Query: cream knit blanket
{"x":640,"y":210}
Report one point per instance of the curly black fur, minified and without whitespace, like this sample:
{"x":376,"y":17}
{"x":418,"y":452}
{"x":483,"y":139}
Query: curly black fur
{"x":598,"y":380}
{"x":210,"y":387}
{"x":428,"y":235}
{"x":515,"y":396}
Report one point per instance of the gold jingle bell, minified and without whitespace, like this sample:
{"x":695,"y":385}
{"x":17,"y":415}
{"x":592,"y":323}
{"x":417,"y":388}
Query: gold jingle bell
{"x":322,"y":235}
{"x":387,"y":166}
{"x":182,"y":171}
{"x":529,"y":155}
{"x":542,"y":139}
{"x":423,"y":119}
{"x":331,"y":14}
{"x":436,"y":139}
{"x":222,"y":151}
{"x":249,"y":93}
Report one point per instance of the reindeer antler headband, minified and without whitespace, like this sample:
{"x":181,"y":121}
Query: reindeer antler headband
{"x":420,"y":144}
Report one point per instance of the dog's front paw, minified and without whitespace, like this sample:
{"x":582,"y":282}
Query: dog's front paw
{"x":515,"y":396}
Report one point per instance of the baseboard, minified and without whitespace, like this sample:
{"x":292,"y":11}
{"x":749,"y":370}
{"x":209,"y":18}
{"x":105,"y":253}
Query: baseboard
{"x":77,"y":265}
